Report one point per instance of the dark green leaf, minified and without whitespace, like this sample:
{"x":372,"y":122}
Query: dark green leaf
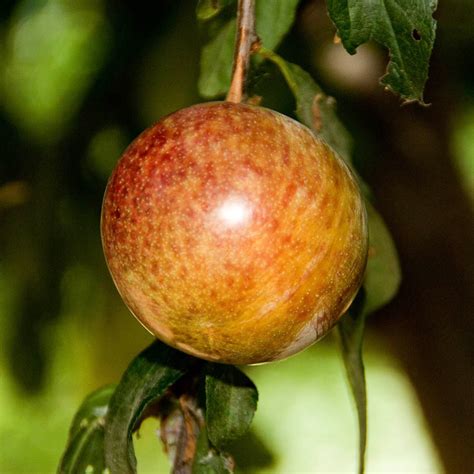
{"x":85,"y":452}
{"x":351,"y":330}
{"x":85,"y":448}
{"x":383,"y":275}
{"x":231,"y":401}
{"x":208,"y":460}
{"x":147,"y":378}
{"x":207,"y":9}
{"x":381,"y":282}
{"x":313,"y":108}
{"x":273,"y":19}
{"x":405,"y":27}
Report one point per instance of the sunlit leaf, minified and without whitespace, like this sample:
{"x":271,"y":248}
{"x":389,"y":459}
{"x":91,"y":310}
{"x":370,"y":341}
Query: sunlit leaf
{"x":207,"y":9}
{"x":463,"y":147}
{"x":216,"y":62}
{"x":85,"y":448}
{"x":273,"y":20}
{"x":405,"y":27}
{"x":383,"y":275}
{"x":147,"y":378}
{"x":231,"y":401}
{"x":105,"y":149}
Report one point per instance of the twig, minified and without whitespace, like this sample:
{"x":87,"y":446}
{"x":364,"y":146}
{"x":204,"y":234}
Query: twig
{"x":179,"y":432}
{"x":246,"y":40}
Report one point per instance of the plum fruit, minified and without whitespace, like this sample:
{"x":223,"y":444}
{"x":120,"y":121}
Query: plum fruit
{"x":233,"y":234}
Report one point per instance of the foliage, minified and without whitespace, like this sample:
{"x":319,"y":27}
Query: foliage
{"x":207,"y":9}
{"x":231,"y":401}
{"x":86,"y":437}
{"x":147,"y":378}
{"x":405,"y":27}
{"x":208,"y":460}
{"x":273,"y":20}
{"x":101,"y":432}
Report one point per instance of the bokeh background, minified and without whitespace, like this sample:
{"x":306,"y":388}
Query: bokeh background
{"x":79,"y":79}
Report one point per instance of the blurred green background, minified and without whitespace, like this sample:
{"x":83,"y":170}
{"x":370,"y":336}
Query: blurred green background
{"x":79,"y":79}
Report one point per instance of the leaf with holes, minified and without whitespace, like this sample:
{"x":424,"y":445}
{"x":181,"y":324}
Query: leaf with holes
{"x":147,"y":378}
{"x":85,"y":448}
{"x":405,"y":27}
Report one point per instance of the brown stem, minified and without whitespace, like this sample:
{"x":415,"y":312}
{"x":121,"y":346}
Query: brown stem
{"x":179,"y":432}
{"x":246,"y":40}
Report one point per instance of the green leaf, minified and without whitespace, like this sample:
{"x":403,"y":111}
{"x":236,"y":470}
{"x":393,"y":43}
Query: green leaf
{"x":231,"y":401}
{"x":313,"y":108}
{"x":381,"y":282}
{"x":147,"y":378}
{"x":208,"y":9}
{"x":273,"y":19}
{"x":383,"y":275}
{"x":216,"y":62}
{"x":208,"y":460}
{"x":351,"y":331}
{"x":85,"y":448}
{"x":405,"y":27}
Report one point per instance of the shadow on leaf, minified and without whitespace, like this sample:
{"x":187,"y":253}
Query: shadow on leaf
{"x":250,"y":453}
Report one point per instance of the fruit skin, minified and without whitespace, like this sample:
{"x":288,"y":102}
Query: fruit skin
{"x":233,"y":234}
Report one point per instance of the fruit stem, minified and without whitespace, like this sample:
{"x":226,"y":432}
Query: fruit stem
{"x":245,"y":43}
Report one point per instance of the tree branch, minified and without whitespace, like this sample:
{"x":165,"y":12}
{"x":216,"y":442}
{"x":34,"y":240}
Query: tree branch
{"x":246,"y":41}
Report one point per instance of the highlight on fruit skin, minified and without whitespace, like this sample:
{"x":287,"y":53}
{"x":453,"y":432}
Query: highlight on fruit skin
{"x":233,"y":234}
